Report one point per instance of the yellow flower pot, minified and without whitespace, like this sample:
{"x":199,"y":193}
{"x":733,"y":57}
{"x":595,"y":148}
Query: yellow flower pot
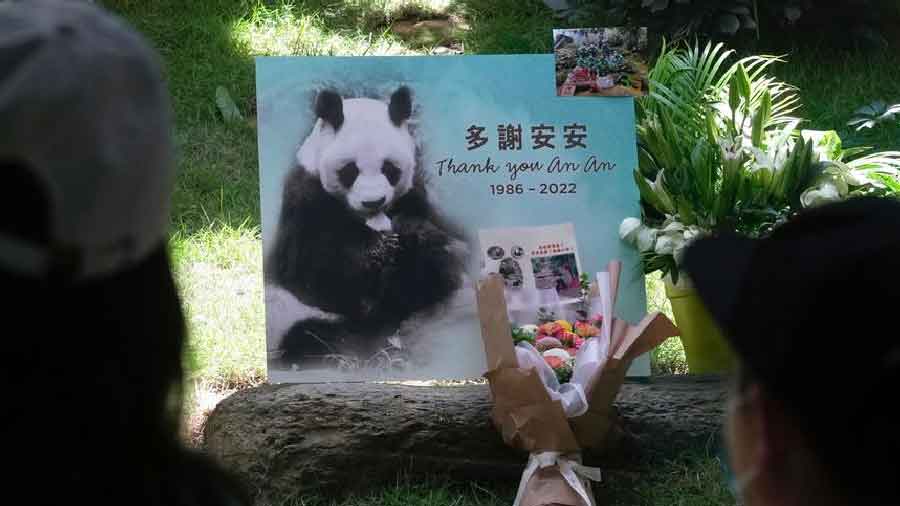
{"x":706,"y":350}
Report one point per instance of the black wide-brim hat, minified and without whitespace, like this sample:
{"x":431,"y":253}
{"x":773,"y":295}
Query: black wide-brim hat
{"x":812,"y":309}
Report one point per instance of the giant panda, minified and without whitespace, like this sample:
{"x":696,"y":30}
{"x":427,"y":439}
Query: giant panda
{"x":360,"y":248}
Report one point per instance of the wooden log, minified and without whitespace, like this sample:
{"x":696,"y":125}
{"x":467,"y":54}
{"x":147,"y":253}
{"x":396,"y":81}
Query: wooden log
{"x":289,"y":440}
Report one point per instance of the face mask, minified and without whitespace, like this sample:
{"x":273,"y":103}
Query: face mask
{"x":737,"y":484}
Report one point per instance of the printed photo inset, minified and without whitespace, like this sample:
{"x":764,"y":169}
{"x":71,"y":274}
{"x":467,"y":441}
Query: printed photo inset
{"x":559,"y":272}
{"x":606,"y":62}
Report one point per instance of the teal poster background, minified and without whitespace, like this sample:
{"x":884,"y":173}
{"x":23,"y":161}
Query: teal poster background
{"x":452,"y":94}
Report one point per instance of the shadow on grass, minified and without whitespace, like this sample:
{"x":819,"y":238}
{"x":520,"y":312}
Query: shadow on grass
{"x":507,"y":26}
{"x":217,"y":179}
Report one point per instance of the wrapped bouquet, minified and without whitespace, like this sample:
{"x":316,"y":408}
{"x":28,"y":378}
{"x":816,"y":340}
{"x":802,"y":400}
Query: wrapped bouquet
{"x":553,"y":384}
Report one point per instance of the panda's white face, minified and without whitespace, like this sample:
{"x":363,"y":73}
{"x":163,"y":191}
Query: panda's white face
{"x":368,"y":159}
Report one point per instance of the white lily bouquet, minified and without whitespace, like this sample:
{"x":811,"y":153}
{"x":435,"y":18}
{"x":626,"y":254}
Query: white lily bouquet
{"x":721,"y":152}
{"x":551,"y":416}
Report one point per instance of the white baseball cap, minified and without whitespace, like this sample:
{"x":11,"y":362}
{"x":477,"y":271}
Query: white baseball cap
{"x":83,"y":105}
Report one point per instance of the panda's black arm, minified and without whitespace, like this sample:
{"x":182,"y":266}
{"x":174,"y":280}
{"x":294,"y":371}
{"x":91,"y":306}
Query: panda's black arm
{"x":430,"y":270}
{"x":414,"y":215}
{"x":320,"y":245}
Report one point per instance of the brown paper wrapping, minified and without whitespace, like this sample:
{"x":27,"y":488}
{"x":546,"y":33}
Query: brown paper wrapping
{"x":524,"y":412}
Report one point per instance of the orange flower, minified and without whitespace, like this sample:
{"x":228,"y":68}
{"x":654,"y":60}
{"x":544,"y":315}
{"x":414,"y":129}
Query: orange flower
{"x":585,"y":329}
{"x":567,"y":337}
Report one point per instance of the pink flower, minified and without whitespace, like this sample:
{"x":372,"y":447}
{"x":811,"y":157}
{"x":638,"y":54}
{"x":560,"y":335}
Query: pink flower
{"x":554,"y":362}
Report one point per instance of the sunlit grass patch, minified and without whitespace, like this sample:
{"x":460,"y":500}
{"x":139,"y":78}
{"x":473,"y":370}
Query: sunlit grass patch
{"x":283,"y":31}
{"x":219,"y":273}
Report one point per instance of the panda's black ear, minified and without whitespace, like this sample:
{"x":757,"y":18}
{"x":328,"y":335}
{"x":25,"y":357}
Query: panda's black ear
{"x":330,"y":107}
{"x":400,"y":108}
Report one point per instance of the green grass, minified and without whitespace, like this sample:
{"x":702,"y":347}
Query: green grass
{"x":219,"y":272}
{"x":832,"y":88}
{"x":693,"y":479}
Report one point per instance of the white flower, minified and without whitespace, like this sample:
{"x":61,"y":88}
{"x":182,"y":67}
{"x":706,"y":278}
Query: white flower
{"x":558,"y":353}
{"x":692,"y":233}
{"x":666,"y":244}
{"x":646,"y":239}
{"x":673,"y":226}
{"x":761,"y":159}
{"x":856,"y":178}
{"x":629,"y":229}
{"x":823,"y":194}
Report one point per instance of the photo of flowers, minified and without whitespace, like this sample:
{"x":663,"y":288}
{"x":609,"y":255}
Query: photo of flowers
{"x":606,"y":62}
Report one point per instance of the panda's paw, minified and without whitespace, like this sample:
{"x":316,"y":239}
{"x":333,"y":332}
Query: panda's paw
{"x":384,"y":251}
{"x":407,"y":225}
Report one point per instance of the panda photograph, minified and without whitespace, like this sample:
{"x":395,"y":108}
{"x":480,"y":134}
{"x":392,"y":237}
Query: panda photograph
{"x":363,"y":268}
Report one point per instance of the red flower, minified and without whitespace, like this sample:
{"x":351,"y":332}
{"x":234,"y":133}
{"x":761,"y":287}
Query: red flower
{"x":582,"y":73}
{"x":550,"y":329}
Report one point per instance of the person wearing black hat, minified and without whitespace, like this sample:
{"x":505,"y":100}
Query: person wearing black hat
{"x":93,"y":326}
{"x":810,"y":312}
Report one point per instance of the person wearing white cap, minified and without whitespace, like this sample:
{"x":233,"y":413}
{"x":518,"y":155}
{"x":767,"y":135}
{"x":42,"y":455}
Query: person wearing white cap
{"x":93,"y":326}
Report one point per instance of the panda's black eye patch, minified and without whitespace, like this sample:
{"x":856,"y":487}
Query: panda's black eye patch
{"x":391,"y":172}
{"x":348,"y":174}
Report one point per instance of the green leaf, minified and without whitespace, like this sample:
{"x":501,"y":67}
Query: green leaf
{"x":227,"y":107}
{"x":647,"y":193}
{"x":826,"y":144}
{"x":712,"y":130}
{"x":734,"y":94}
{"x":891,"y":183}
{"x":849,"y":153}
{"x":743,"y":82}
{"x":761,"y":118}
{"x":646,"y":162}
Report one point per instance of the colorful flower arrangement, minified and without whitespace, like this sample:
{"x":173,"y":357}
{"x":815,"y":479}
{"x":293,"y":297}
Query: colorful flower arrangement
{"x":558,"y":342}
{"x":599,"y":59}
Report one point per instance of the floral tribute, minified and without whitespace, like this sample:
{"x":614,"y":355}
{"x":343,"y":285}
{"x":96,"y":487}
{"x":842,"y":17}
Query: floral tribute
{"x":553,"y":384}
{"x":559,"y":341}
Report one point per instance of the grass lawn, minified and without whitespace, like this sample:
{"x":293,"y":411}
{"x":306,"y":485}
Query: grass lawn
{"x":216,"y":229}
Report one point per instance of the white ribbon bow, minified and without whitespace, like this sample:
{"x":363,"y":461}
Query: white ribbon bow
{"x":577,"y":475}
